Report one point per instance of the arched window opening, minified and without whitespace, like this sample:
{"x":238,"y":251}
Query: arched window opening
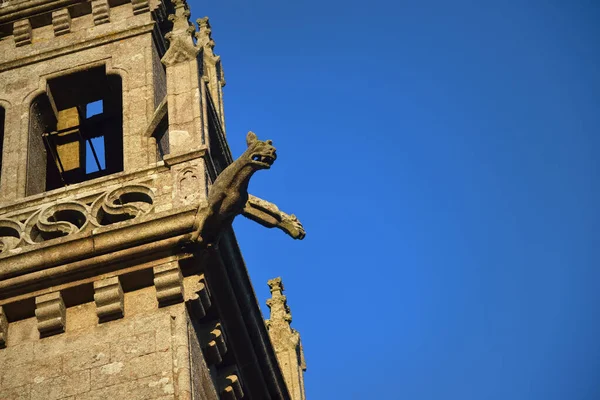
{"x":75,"y":130}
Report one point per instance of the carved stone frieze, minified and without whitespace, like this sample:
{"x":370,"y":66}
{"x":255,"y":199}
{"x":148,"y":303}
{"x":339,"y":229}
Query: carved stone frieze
{"x":121,"y":204}
{"x":3,"y":328}
{"x":50,"y":313}
{"x":108,"y":296}
{"x":168,"y":281}
{"x":70,"y":217}
{"x":11,"y":234}
{"x":56,"y":220}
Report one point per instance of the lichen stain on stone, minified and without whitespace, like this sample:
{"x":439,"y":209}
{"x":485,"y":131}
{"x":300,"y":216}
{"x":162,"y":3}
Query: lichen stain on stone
{"x":164,"y":382}
{"x":111,"y":369}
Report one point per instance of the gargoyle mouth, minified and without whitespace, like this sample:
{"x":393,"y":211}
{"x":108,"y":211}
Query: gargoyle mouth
{"x":265,"y":161}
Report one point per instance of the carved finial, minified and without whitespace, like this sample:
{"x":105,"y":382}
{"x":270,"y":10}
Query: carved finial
{"x":204,"y":36}
{"x":275,"y":285}
{"x":280,"y":311}
{"x":286,"y":340}
{"x":181,"y":45}
{"x":180,"y":19}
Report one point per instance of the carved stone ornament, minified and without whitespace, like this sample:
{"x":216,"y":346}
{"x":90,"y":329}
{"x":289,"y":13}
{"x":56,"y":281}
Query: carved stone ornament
{"x":70,"y":217}
{"x":228,"y":196}
{"x":180,"y":50}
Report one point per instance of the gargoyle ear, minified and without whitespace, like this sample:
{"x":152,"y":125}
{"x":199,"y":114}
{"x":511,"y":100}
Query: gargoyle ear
{"x":251,"y":138}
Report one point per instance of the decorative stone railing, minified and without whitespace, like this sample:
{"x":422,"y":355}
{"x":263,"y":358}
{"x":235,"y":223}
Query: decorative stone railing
{"x":65,"y":218}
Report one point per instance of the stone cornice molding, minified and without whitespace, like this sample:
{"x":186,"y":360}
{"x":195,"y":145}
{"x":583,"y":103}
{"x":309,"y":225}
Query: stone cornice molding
{"x":76,"y":46}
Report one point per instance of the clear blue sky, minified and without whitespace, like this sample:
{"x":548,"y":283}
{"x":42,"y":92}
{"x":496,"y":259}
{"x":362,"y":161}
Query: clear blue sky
{"x":444,"y":160}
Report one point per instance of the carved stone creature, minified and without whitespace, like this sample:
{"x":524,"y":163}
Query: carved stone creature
{"x":228,"y":196}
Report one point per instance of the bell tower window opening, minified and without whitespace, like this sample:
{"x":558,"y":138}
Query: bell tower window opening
{"x":76,"y":130}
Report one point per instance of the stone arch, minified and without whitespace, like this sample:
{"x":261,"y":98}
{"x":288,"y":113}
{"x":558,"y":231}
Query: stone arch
{"x":75,"y":128}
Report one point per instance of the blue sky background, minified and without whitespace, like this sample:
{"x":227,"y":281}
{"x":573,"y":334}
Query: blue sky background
{"x":443,"y":157}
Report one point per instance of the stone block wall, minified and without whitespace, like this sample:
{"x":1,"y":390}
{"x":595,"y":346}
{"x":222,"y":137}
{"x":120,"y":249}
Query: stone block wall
{"x":142,"y":356}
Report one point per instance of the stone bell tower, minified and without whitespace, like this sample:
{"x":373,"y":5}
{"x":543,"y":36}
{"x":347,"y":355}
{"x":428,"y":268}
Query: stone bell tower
{"x":120,"y":274}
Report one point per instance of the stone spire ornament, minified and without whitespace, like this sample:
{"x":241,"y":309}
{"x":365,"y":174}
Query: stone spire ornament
{"x":286,"y":341}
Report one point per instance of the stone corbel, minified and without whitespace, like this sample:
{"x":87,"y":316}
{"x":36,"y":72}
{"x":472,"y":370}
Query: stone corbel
{"x":61,"y":22}
{"x":230,"y":385}
{"x":168,"y":281}
{"x":108,"y":296}
{"x":140,"y":6}
{"x":50,"y":313}
{"x":22,"y":32}
{"x":100,"y":11}
{"x":214,"y":346}
{"x":199,"y":301}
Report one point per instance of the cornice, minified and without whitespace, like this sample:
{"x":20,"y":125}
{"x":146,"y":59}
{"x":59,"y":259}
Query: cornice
{"x":78,"y":46}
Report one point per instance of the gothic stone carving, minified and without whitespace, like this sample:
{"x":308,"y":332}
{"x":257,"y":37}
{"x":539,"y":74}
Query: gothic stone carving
{"x":71,"y":217}
{"x":229,"y":196}
{"x":50,"y":313}
{"x":267,"y":214}
{"x":108,"y":296}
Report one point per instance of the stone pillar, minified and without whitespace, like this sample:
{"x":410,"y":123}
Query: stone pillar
{"x":286,"y":341}
{"x":183,"y":88}
{"x":212,"y":68}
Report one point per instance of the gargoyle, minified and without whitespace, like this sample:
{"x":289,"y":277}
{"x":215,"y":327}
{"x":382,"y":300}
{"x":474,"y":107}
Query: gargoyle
{"x":228,"y":196}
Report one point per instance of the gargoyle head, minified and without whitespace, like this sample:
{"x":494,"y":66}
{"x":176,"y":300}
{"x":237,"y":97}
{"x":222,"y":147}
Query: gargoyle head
{"x":261,"y":154}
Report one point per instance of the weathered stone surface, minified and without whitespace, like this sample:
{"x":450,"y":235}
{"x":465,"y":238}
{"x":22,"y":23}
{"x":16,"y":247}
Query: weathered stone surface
{"x":50,"y":313}
{"x":3,"y":328}
{"x":108,"y":296}
{"x":61,"y":386}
